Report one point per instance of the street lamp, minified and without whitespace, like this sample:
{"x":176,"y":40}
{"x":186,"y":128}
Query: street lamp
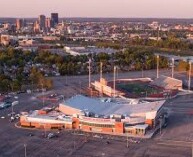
{"x":25,"y":149}
{"x":172,"y":67}
{"x":160,"y":124}
{"x":189,"y":80}
{"x":89,"y":72}
{"x":127,"y":141}
{"x":101,"y":70}
{"x":43,"y":92}
{"x":157,"y":66}
{"x":114,"y":85}
{"x":101,"y":76}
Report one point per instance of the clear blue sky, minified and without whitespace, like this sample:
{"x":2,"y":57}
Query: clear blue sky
{"x":98,"y":8}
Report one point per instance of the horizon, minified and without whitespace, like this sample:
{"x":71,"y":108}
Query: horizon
{"x":191,"y":18}
{"x":108,"y":9}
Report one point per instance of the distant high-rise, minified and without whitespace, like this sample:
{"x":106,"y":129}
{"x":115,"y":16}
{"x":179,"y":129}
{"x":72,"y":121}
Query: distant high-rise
{"x":36,"y":26}
{"x":19,"y":24}
{"x":42,"y":22}
{"x":54,"y":18}
{"x":48,"y":22}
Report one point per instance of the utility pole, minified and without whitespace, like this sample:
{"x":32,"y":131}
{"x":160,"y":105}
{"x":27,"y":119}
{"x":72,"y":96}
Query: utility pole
{"x":89,"y":69}
{"x":172,"y":67}
{"x":157,"y":66}
{"x":114,"y":85}
{"x":189,"y":80}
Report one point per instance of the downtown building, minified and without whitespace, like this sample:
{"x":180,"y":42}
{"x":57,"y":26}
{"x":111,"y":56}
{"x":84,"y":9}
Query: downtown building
{"x":55,"y":19}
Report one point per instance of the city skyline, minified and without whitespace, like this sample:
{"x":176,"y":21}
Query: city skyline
{"x":87,"y":8}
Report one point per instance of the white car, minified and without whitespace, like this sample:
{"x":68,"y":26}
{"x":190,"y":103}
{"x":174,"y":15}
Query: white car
{"x":16,"y":97}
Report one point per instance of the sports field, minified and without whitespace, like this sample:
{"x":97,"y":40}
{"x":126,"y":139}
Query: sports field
{"x":138,"y":89}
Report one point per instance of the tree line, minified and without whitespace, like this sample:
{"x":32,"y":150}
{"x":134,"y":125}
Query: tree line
{"x":13,"y":64}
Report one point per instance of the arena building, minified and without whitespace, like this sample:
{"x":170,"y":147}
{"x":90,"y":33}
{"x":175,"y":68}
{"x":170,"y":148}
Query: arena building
{"x":101,"y":115}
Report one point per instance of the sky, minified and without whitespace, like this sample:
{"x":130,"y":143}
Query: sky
{"x":98,"y":8}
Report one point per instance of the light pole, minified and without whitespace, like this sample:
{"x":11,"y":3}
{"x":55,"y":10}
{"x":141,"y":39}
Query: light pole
{"x":157,"y":66}
{"x":127,"y":141}
{"x":89,"y":73}
{"x":43,"y":92}
{"x":12,"y":109}
{"x":114,"y":85}
{"x":32,"y":86}
{"x":142,"y":75}
{"x":189,"y":80}
{"x":80,"y":87}
{"x":101,"y":70}
{"x":45,"y":130}
{"x":160,"y":125}
{"x":101,"y":76}
{"x":117,"y":72}
{"x":172,"y":67}
{"x":25,"y":149}
{"x":192,"y":150}
{"x":66,"y":79}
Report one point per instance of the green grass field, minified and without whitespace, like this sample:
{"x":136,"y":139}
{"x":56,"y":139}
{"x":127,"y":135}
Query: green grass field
{"x":138,"y":89}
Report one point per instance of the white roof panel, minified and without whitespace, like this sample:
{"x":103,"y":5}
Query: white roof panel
{"x":108,"y":108}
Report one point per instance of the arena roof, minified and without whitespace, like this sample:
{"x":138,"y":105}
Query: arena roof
{"x":101,"y":107}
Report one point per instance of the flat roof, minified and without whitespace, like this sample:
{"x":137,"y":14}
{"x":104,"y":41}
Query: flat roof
{"x":101,"y":107}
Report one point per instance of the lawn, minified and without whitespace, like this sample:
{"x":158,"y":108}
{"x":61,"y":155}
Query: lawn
{"x":138,"y":89}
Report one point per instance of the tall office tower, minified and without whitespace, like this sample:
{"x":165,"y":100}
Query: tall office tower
{"x":54,"y":18}
{"x":48,"y":23}
{"x":19,"y":24}
{"x":36,"y":27}
{"x":42,"y":22}
{"x":24,"y":22}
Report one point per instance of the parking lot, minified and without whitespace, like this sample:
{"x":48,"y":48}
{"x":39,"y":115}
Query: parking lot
{"x":174,"y":141}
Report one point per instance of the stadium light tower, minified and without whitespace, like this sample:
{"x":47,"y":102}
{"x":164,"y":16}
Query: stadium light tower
{"x":101,"y":70}
{"x":189,"y":80}
{"x":172,"y":67}
{"x":114,"y":85}
{"x":89,"y":69}
{"x":101,"y":76}
{"x":157,"y":66}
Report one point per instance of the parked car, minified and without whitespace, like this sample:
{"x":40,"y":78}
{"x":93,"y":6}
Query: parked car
{"x":4,"y":105}
{"x":51,"y":135}
{"x":8,"y":104}
{"x":16,"y":97}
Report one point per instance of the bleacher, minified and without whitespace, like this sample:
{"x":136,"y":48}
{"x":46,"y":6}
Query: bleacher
{"x":167,"y":83}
